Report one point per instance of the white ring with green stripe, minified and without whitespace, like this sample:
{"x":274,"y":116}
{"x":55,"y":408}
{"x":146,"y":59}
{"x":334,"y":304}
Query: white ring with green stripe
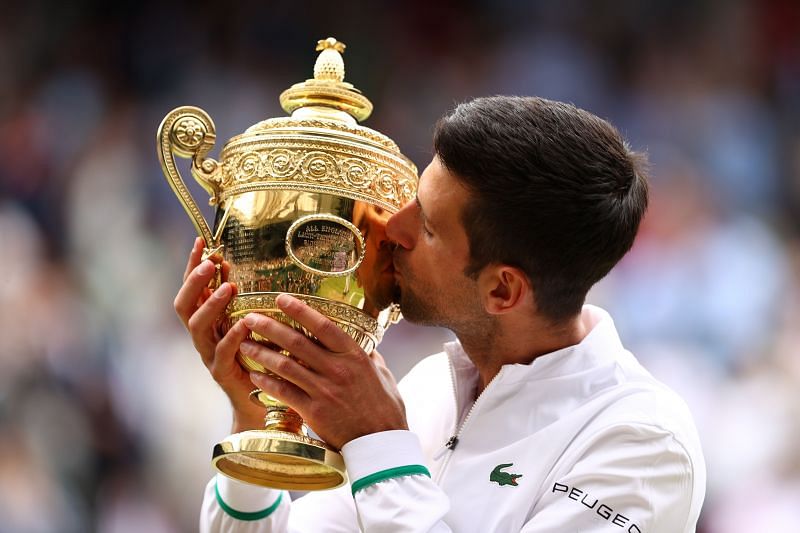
{"x":384,"y":455}
{"x":391,"y":473}
{"x":246,"y":516}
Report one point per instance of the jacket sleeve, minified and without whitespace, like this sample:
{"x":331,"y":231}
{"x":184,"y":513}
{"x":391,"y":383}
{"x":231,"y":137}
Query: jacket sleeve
{"x":230,"y":506}
{"x":391,"y":486}
{"x":390,"y":490}
{"x":627,"y":478}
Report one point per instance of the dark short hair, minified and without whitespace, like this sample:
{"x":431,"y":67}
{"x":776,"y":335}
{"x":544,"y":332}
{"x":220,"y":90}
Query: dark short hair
{"x":555,"y":191}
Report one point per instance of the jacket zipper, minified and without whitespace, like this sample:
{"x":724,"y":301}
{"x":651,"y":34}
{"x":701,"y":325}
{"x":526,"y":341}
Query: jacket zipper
{"x":452,"y":442}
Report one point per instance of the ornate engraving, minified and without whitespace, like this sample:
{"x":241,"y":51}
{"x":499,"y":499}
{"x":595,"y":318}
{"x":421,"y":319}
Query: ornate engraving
{"x":297,"y":437}
{"x":384,"y":185}
{"x":189,"y":131}
{"x":364,"y":329}
{"x":327,"y":93}
{"x":406,"y":189}
{"x":249,"y":167}
{"x":326,"y":245}
{"x":313,"y":165}
{"x":281,"y":163}
{"x":265,"y":302}
{"x":360,"y":131}
{"x":319,"y":166}
{"x":357,"y":172}
{"x":209,"y":167}
{"x":356,"y":162}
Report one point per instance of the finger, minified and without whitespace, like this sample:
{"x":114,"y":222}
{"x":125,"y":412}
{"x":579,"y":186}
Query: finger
{"x":281,"y":365}
{"x":225,"y":353}
{"x":226,"y":270}
{"x":284,"y":391}
{"x":325,"y":330}
{"x":288,"y":338}
{"x":201,"y":324}
{"x":380,"y":364}
{"x":192,"y":289}
{"x":194,"y":257}
{"x":377,"y":358}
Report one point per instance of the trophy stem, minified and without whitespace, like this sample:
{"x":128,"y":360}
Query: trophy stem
{"x":284,"y":419}
{"x":281,"y":455}
{"x":279,"y":417}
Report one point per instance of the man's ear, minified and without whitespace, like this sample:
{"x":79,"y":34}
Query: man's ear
{"x":504,"y":288}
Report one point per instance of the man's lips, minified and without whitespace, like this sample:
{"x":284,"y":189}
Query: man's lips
{"x":395,"y":265}
{"x":388,"y":268}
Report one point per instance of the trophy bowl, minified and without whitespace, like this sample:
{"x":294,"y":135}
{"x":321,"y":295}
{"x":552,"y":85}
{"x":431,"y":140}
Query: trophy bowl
{"x":301,"y":208}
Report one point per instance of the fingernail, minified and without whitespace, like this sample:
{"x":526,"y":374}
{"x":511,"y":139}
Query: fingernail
{"x":250,"y":320}
{"x":206,"y":267}
{"x":223,"y":291}
{"x":247,"y":347}
{"x":283,"y":301}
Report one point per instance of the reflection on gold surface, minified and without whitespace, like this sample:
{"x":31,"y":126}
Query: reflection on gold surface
{"x":256,"y":232}
{"x":257,"y":229}
{"x":376,"y":274}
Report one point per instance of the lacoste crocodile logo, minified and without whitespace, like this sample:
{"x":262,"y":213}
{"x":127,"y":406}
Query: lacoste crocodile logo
{"x":504,"y":478}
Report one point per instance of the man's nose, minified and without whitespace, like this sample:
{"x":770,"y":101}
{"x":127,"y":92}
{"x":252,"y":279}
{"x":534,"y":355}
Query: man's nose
{"x":398,"y":228}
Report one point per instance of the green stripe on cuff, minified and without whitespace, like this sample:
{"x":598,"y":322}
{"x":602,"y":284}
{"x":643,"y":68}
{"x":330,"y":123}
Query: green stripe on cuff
{"x":383,"y":475}
{"x":247,"y":517}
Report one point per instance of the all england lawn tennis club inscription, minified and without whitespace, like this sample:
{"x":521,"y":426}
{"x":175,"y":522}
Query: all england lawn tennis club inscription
{"x":325,"y":246}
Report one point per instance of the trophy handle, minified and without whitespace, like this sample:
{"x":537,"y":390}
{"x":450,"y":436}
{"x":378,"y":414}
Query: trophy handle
{"x":189,"y":132}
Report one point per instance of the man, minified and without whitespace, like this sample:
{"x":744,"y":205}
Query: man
{"x":536,"y":419}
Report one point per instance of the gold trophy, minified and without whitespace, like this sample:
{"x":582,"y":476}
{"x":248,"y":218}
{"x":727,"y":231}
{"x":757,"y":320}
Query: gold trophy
{"x":301,"y":208}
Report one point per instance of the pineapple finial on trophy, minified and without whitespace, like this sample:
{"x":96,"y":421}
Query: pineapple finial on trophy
{"x":329,"y":65}
{"x":327,"y":95}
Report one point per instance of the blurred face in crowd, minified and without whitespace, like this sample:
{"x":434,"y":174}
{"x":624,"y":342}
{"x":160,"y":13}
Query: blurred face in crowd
{"x":432,"y":252}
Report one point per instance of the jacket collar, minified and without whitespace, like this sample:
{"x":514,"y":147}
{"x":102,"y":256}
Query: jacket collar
{"x":599,"y":347}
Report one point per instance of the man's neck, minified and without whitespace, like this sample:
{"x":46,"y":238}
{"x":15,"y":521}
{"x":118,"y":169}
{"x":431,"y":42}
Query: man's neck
{"x":518,"y":343}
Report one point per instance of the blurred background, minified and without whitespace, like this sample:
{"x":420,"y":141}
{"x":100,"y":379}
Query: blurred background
{"x":107,"y":416}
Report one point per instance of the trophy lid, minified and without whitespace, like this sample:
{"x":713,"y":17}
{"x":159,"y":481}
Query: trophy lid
{"x":328,"y":88}
{"x":320,"y":147}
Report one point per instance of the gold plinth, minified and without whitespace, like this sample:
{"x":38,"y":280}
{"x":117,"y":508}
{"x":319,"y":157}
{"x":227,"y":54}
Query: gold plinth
{"x":280,"y":460}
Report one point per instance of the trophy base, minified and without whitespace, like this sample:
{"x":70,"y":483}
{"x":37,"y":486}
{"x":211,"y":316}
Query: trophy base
{"x":280,"y":460}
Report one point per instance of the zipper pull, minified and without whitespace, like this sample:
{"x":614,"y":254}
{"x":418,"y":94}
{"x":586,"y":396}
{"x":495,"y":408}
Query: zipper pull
{"x":449,"y":445}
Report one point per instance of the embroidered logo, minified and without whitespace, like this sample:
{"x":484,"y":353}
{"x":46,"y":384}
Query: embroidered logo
{"x":504,"y":478}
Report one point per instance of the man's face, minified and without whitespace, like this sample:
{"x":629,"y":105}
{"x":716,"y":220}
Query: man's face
{"x":432,"y":251}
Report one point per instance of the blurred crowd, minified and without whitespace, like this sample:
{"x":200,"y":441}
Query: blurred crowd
{"x":107,"y":416}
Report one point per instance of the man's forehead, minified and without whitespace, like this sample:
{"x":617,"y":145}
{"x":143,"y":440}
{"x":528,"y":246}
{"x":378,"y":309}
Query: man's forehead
{"x":427,"y":186}
{"x":432,"y":174}
{"x":440,"y":194}
{"x":438,"y":177}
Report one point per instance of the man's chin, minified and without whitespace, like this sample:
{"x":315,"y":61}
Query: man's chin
{"x":414,"y":311}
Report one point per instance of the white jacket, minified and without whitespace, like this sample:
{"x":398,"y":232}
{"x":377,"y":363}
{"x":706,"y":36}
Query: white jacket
{"x":581,"y":440}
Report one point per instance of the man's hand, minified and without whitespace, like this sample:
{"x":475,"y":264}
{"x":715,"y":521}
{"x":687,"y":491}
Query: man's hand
{"x":339,"y":390}
{"x":200,"y":308}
